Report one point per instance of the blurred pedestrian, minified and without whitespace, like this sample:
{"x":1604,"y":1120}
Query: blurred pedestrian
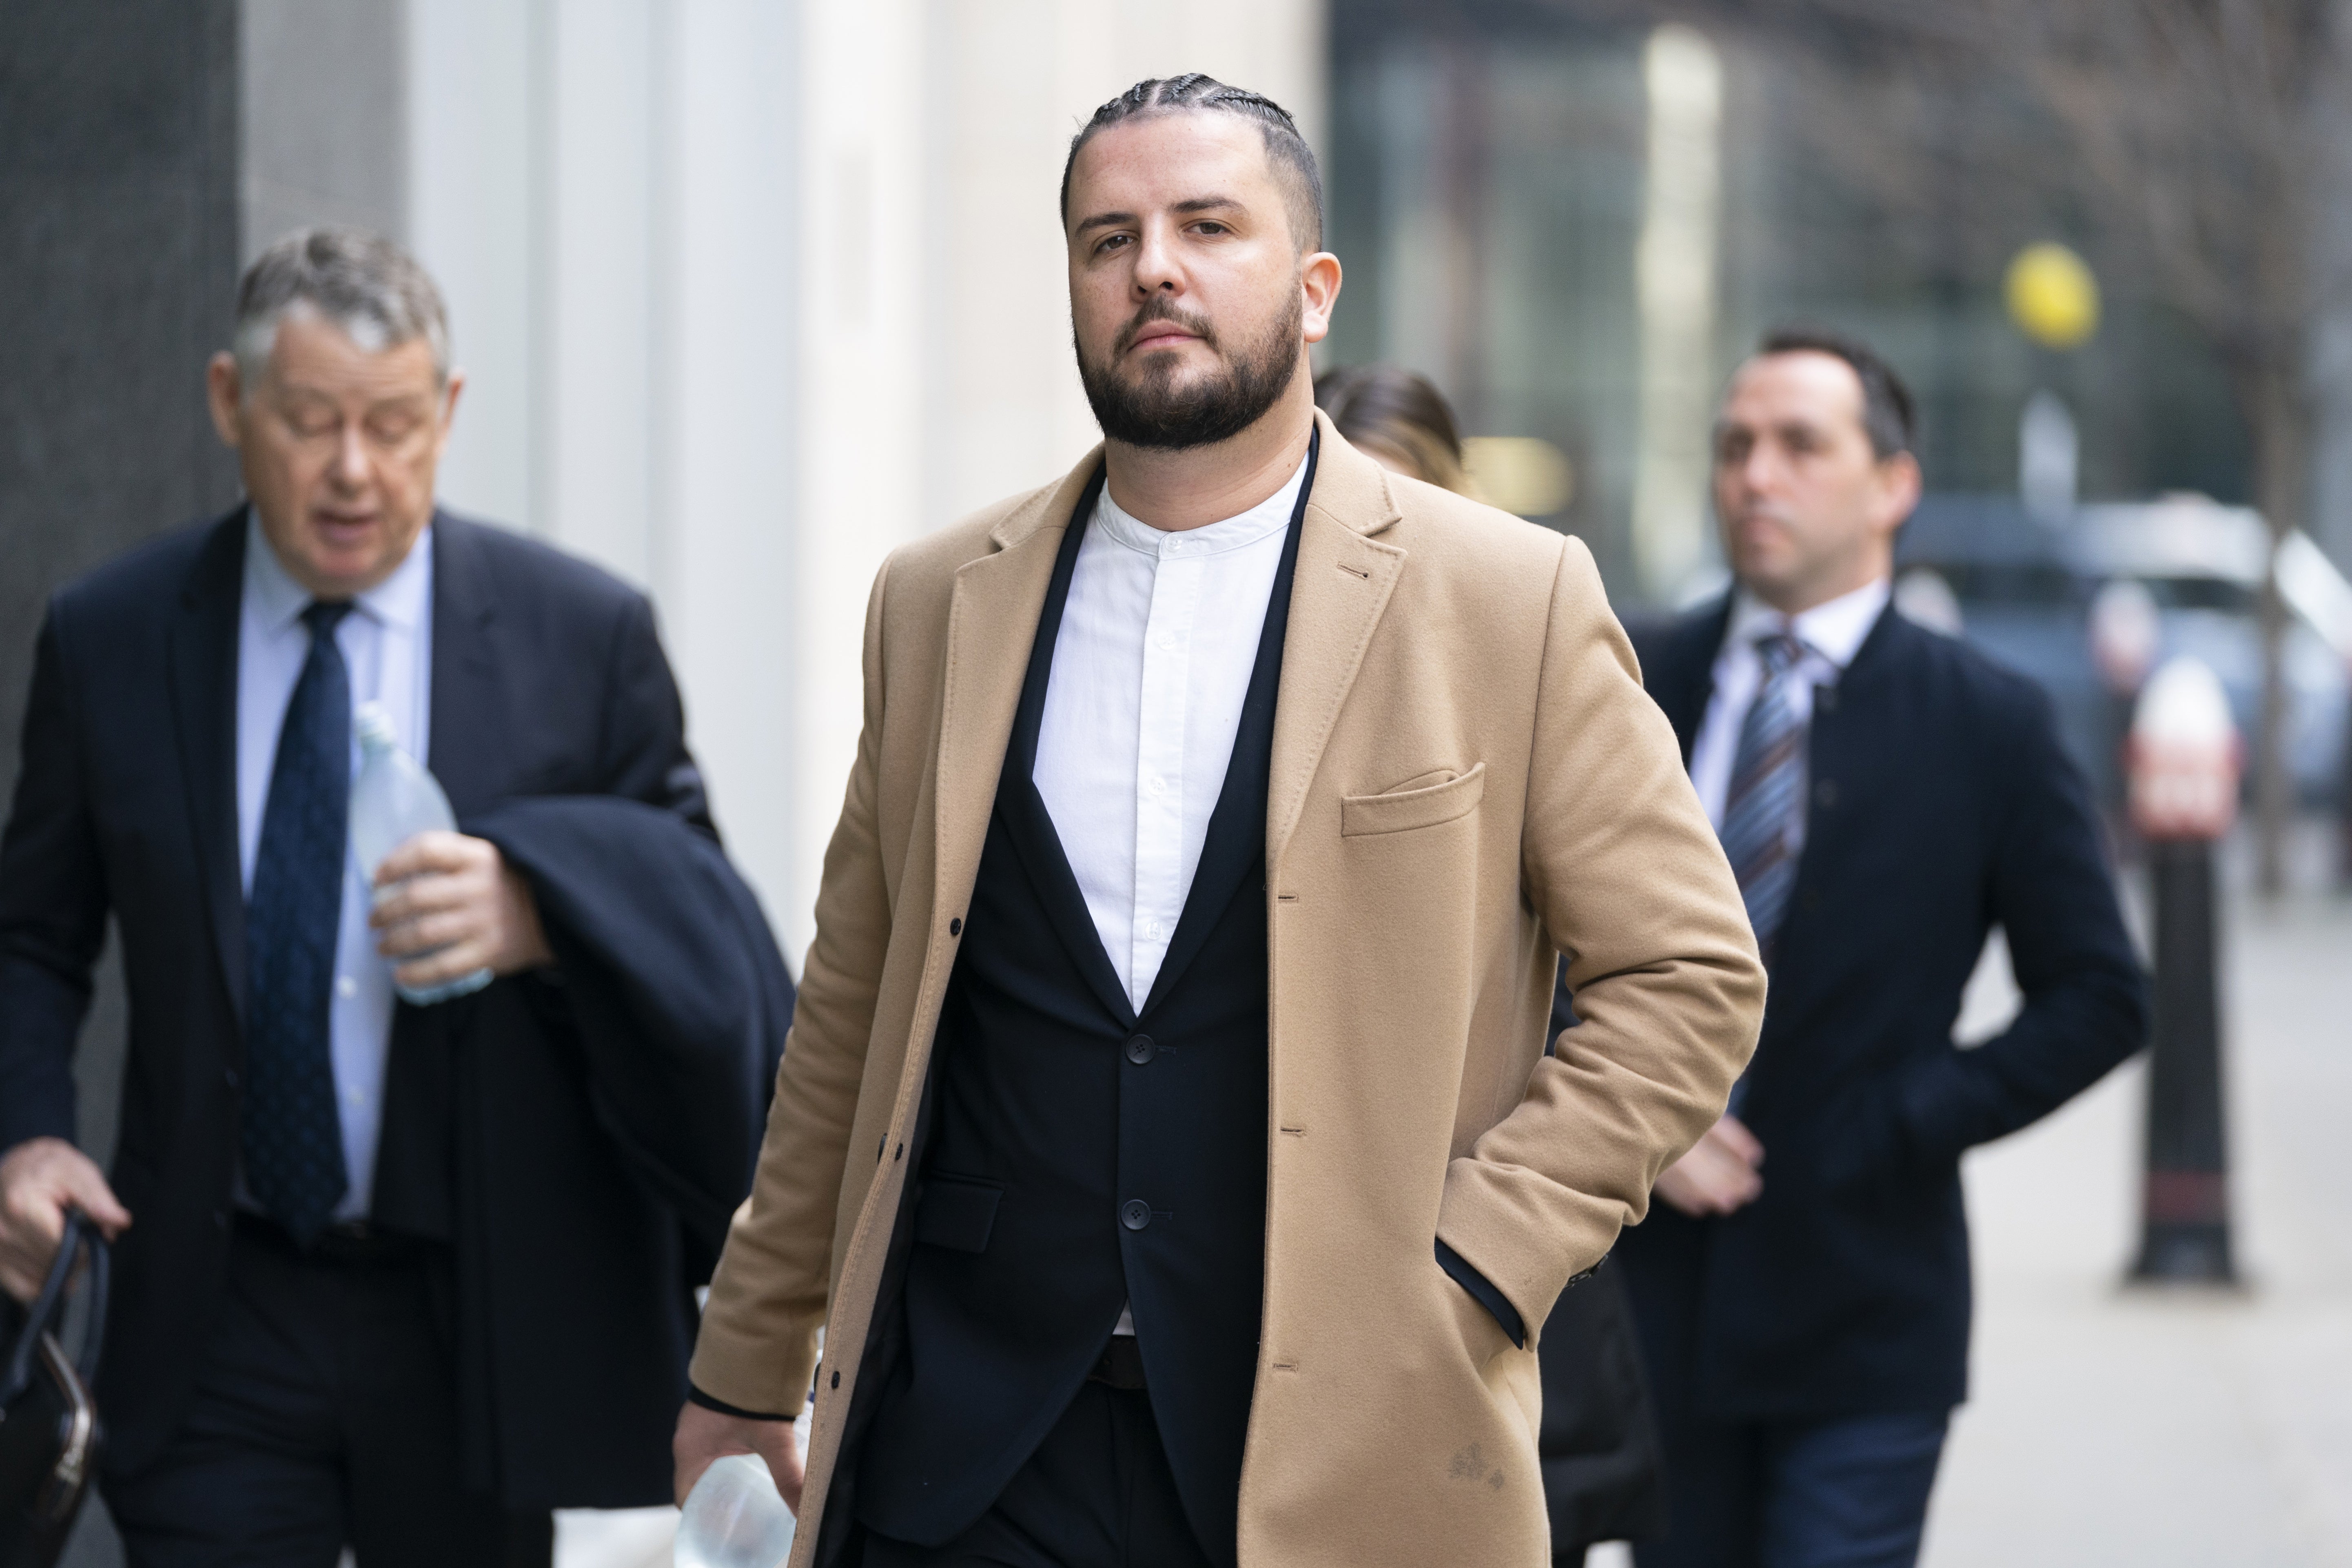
{"x":394,"y":1278}
{"x":1599,"y":1442}
{"x":1886,"y":795}
{"x":1182,"y":959}
{"x":1398,"y":420}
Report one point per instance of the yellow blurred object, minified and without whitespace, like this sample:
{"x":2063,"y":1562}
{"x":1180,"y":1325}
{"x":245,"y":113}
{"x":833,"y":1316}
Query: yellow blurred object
{"x":2051,"y":296}
{"x":1520,"y":473}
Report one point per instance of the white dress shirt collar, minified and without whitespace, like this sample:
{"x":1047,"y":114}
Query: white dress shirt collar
{"x":399,"y":601}
{"x":1269,"y":516}
{"x":1834,"y":630}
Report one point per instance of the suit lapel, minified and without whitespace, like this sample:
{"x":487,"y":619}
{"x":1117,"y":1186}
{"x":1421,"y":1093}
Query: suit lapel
{"x":203,"y":664}
{"x":1684,"y":681}
{"x":469,"y":705}
{"x":1020,"y":806}
{"x":1235,"y":841}
{"x":991,"y":633}
{"x":1339,"y":588}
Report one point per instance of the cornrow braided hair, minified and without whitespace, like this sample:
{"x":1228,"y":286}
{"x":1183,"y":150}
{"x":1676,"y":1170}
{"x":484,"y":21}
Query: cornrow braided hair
{"x":1286,"y":151}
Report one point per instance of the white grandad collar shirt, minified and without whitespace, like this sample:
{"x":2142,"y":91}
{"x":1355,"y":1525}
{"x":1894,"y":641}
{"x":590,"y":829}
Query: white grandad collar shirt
{"x":1158,"y":640}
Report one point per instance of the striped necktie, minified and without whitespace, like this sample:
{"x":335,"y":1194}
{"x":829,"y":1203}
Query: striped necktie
{"x":1763,"y":808}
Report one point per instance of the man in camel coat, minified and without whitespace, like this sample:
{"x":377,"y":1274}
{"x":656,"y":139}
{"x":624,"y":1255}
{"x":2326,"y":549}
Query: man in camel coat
{"x":1167,"y":1143}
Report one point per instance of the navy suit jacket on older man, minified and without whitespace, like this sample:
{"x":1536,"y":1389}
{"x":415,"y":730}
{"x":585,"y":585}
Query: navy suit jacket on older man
{"x":574,"y":1139}
{"x":1941,"y":806}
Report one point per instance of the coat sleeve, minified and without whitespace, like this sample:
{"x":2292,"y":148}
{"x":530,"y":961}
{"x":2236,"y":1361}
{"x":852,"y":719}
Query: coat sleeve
{"x":52,"y":910}
{"x":1620,"y":867}
{"x":757,"y":1349}
{"x":2086,"y":1006}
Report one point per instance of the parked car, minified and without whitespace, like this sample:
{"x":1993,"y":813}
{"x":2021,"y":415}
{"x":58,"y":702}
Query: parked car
{"x":2024,"y":591}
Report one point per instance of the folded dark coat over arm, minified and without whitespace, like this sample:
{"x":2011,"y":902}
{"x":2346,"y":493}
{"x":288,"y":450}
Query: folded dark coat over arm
{"x":679,"y":996}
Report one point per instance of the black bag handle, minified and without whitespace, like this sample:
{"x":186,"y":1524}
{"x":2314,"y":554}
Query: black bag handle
{"x":81,"y":1235}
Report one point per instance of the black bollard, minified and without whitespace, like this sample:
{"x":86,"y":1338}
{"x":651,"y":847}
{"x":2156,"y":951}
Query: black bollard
{"x":2184,"y":792}
{"x":2185,"y":1203}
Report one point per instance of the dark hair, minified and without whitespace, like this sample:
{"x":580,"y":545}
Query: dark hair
{"x":1888,"y":415}
{"x":1286,"y":151}
{"x":1395,"y":414}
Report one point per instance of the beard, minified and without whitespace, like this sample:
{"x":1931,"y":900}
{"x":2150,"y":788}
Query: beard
{"x":1146,"y":407}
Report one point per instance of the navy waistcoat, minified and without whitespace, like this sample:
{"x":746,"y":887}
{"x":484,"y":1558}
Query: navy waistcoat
{"x":1081,"y":1155}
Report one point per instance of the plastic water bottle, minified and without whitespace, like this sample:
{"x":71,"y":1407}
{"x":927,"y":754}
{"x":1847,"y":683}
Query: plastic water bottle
{"x":734,"y":1518}
{"x":392,"y":801}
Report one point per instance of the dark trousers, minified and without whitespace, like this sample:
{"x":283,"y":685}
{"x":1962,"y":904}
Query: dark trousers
{"x":1848,"y":1493}
{"x":326,"y":1417}
{"x":1096,"y":1494}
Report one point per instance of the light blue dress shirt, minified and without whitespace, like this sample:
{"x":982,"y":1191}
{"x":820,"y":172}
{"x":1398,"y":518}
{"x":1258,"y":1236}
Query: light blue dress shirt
{"x":387,"y":646}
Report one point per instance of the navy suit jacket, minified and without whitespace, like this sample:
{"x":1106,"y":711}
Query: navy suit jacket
{"x":1941,"y":804}
{"x":577,"y":1136}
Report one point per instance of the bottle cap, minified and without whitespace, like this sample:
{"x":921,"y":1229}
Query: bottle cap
{"x":373,"y":724}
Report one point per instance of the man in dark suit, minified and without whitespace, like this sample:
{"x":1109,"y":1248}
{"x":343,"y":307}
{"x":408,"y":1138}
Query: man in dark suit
{"x":1887,"y":796}
{"x":393,"y":1277}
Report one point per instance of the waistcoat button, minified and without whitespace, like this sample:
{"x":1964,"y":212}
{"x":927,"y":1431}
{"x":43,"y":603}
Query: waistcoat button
{"x":1141,"y":1049}
{"x":1135,"y":1213}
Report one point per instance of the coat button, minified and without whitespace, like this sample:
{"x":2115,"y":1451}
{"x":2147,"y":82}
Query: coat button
{"x":1135,"y":1213}
{"x":1825,"y":792}
{"x":955,"y":927}
{"x":228,"y":1077}
{"x":1141,"y":1049}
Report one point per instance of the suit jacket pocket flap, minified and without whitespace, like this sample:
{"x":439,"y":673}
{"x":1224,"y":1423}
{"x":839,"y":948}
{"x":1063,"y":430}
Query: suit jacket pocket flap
{"x":1404,"y":810}
{"x":956,"y":1213}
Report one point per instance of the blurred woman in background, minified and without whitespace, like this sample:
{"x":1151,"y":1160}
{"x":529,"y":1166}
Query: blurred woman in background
{"x":1598,"y":1442}
{"x":1397,"y":419}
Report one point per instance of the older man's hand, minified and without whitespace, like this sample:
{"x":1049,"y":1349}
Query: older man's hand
{"x":39,"y":1180}
{"x":451,"y":905}
{"x":1718,"y":1175}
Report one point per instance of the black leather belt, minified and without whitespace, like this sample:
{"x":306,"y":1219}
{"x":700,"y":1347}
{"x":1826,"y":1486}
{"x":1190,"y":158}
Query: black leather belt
{"x":1120,"y":1364}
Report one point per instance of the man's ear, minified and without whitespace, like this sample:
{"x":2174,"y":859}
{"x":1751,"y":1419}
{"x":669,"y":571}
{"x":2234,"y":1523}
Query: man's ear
{"x":224,"y":388}
{"x":1318,"y":277}
{"x":1899,"y":488}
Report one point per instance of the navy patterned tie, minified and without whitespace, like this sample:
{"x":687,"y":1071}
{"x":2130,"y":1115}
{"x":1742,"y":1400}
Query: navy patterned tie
{"x":292,"y":1138}
{"x":1764,"y":805}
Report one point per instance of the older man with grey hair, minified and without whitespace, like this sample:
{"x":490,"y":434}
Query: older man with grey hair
{"x":420,"y":1160}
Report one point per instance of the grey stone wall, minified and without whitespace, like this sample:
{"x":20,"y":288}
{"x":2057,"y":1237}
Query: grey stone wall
{"x":119,"y":229}
{"x":322,"y":117}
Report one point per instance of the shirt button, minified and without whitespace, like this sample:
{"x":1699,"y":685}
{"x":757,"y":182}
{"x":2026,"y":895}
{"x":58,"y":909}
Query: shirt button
{"x":1158,"y":785}
{"x":354,"y":1099}
{"x":346,"y":987}
{"x":1141,"y":1049}
{"x":1151,"y":928}
{"x":1135,"y":1213}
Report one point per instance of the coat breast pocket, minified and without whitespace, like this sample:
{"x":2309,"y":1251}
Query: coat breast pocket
{"x":1426,"y":802}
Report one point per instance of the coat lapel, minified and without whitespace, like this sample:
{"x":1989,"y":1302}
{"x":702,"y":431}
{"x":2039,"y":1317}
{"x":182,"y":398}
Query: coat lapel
{"x":991,"y":630}
{"x":1341,"y":586}
{"x":469,"y":700}
{"x":203,"y":664}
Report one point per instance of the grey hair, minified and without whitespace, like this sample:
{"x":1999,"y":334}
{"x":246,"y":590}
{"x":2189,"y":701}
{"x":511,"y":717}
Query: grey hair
{"x":361,"y":282}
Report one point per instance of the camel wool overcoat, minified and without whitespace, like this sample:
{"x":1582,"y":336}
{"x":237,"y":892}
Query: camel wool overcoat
{"x":1466,"y":777}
